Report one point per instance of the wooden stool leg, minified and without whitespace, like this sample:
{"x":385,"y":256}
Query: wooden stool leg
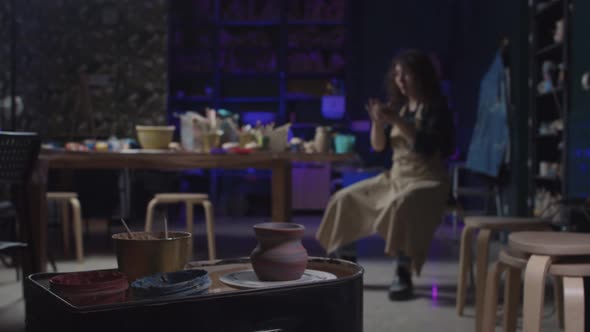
{"x":483,"y":241}
{"x":189,"y":225}
{"x":534,"y":292}
{"x":512,"y":292}
{"x":65,"y":225}
{"x":488,"y":318}
{"x":558,"y":299}
{"x":149,"y":215}
{"x":464,"y":266}
{"x":573,"y":291}
{"x":209,"y":219}
{"x":189,"y":217}
{"x":77,"y":221}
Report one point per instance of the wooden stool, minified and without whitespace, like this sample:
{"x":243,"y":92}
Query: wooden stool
{"x":70,"y":198}
{"x":513,"y":265}
{"x":189,"y":200}
{"x":545,"y":248}
{"x":486,"y":225}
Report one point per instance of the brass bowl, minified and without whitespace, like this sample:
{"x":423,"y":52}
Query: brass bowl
{"x":149,"y":252}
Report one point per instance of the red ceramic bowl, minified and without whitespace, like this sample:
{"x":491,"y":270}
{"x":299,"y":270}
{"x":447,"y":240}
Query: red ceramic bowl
{"x":90,"y":287}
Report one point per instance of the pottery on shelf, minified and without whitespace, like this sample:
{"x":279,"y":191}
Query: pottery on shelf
{"x":279,"y":255}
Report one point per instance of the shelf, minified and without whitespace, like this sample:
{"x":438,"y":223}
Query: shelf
{"x":190,"y":75}
{"x":249,"y":48}
{"x":308,"y":125}
{"x":192,"y":99}
{"x":250,"y":75}
{"x":548,"y":136}
{"x":304,"y":99}
{"x":558,"y":91}
{"x":550,"y":49}
{"x":550,"y":5}
{"x":250,"y":100}
{"x":249,"y":23}
{"x":323,"y":22}
{"x":304,"y":76}
{"x":547,"y":178}
{"x":319,"y":48}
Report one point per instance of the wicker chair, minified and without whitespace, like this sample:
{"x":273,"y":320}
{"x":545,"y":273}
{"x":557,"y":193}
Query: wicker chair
{"x":18,"y":155}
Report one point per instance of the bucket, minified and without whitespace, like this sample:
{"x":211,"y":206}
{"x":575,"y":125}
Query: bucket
{"x":149,"y":252}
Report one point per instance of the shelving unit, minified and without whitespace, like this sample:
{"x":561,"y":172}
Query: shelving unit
{"x":257,"y":55}
{"x":549,"y":103}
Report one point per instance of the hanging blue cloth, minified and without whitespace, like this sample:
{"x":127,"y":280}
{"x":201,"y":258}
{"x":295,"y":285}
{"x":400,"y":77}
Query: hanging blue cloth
{"x":490,"y":137}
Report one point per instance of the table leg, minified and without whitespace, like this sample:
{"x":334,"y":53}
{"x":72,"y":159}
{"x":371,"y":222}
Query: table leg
{"x":281,"y":191}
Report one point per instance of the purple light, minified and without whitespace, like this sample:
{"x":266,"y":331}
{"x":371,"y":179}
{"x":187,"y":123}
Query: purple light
{"x":434,"y":293}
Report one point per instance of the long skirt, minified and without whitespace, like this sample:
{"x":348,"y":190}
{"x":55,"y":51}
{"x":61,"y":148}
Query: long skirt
{"x":404,"y":211}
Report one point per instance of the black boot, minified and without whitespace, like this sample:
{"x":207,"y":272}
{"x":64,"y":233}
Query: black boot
{"x":347,"y":252}
{"x":402,"y":287}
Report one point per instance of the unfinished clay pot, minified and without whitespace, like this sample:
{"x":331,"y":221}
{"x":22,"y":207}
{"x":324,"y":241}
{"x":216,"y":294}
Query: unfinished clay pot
{"x":279,"y":255}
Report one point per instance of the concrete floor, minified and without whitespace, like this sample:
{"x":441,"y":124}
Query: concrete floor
{"x":432,"y":309}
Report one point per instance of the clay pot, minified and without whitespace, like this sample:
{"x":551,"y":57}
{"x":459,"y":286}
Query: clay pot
{"x":279,"y":255}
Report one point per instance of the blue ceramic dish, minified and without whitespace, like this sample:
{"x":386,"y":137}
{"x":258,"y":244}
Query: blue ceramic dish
{"x":172,"y":284}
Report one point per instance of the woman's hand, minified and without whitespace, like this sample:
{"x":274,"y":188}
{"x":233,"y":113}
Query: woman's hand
{"x":377,"y":112}
{"x":374,"y":107}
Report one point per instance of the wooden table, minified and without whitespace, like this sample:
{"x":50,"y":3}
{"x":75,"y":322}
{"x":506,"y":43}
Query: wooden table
{"x":278,"y":163}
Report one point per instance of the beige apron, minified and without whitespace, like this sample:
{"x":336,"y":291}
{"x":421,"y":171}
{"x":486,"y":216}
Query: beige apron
{"x":404,"y":205}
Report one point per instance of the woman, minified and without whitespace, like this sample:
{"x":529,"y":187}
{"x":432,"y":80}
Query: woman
{"x":404,"y":205}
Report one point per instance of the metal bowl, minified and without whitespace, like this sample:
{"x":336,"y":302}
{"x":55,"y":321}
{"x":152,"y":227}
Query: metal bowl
{"x":149,"y":252}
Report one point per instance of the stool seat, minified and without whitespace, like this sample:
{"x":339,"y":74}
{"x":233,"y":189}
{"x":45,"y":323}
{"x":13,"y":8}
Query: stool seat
{"x":180,"y":197}
{"x":506,"y":223}
{"x":61,"y":195}
{"x":550,"y":243}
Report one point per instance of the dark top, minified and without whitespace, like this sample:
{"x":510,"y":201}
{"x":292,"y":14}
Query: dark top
{"x":434,"y":132}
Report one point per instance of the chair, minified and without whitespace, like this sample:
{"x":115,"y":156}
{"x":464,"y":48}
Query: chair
{"x":67,"y":200}
{"x":18,"y":155}
{"x":486,"y":225}
{"x":189,"y":200}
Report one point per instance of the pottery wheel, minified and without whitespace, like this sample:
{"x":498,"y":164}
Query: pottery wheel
{"x":247,"y":279}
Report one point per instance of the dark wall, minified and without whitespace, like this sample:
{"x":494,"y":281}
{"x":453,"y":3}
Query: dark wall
{"x":120,"y":46}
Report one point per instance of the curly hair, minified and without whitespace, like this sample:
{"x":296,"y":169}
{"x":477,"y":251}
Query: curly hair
{"x":425,"y":79}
